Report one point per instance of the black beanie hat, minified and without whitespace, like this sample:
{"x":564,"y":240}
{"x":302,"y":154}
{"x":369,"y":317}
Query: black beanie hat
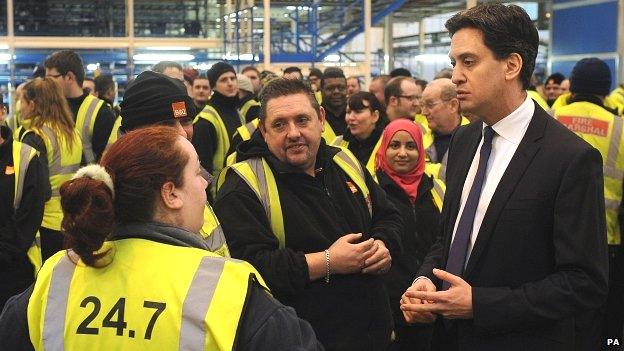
{"x":216,"y":71}
{"x":591,"y":76}
{"x":152,"y":98}
{"x":400,"y":72}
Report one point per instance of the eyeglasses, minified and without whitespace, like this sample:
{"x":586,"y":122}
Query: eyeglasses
{"x":430,"y":104}
{"x":54,"y":75}
{"x":411,"y":98}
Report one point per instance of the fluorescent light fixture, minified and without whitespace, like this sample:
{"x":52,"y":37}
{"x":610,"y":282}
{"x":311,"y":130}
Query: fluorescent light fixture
{"x":332,"y":58}
{"x":4,"y":46}
{"x":168,"y":48}
{"x":291,"y":8}
{"x":5,"y":58}
{"x":242,"y":57}
{"x":432,"y":58}
{"x":93,"y":66}
{"x":163,"y":57}
{"x":202,"y":66}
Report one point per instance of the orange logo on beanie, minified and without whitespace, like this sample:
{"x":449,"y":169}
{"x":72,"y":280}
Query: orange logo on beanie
{"x":179,"y":109}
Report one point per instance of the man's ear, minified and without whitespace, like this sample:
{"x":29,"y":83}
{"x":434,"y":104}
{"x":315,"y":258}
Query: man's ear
{"x":169,"y":197}
{"x":321,"y":116}
{"x":392,"y":101}
{"x":513,"y":66}
{"x":72,"y":76}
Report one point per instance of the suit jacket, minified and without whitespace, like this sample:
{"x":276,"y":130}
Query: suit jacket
{"x":538,"y":268}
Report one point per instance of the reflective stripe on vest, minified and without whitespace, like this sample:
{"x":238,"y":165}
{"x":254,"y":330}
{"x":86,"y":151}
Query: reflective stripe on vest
{"x":245,"y":131}
{"x":259,"y":177}
{"x":437,"y":193}
{"x":85,"y":120}
{"x":22,"y":155}
{"x":245,"y":110}
{"x":201,"y":299}
{"x":370,"y":164}
{"x":115,"y":133}
{"x":197,"y":302}
{"x":212,"y":233}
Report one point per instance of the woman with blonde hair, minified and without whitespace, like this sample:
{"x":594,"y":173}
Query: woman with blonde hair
{"x":49,"y":128}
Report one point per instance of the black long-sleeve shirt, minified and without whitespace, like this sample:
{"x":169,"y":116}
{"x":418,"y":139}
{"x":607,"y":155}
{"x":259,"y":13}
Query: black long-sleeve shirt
{"x":18,"y":227}
{"x":102,"y":128}
{"x":352,"y":311}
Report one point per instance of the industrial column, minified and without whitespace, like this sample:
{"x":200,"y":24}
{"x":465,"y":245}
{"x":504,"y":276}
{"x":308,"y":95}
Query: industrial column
{"x":388,"y":44}
{"x":367,"y":45}
{"x":266,"y":48}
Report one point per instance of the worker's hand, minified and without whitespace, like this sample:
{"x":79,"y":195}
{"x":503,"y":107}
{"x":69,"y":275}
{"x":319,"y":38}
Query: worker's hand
{"x":408,"y":303}
{"x":379,"y":259}
{"x":346,"y":256}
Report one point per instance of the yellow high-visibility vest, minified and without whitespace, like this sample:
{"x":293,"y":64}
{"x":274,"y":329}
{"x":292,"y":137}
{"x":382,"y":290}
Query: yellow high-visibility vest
{"x":244,"y":110}
{"x":63,"y":162}
{"x":22,"y":155}
{"x":151,"y":296}
{"x":260,"y":178}
{"x":115,"y":133}
{"x":436,"y":169}
{"x":609,"y":102}
{"x":85,"y":121}
{"x":538,"y":98}
{"x":370,"y":164}
{"x":604,"y":131}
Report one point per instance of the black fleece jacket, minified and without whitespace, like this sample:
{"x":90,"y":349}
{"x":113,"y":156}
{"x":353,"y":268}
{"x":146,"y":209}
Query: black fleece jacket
{"x":352,"y":311}
{"x":363,"y":149}
{"x":422,"y":223}
{"x":18,"y":227}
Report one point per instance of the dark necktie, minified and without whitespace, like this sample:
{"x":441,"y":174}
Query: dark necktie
{"x":459,"y":248}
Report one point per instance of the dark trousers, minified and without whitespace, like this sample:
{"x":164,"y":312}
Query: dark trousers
{"x":412,"y":337}
{"x":613,"y":322}
{"x":51,"y":242}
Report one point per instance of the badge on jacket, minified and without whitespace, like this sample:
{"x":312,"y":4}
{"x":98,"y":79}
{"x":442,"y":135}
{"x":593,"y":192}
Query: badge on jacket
{"x":352,"y":186}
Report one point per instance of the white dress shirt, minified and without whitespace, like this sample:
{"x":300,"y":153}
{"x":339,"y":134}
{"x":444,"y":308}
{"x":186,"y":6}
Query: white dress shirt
{"x":509,"y":132}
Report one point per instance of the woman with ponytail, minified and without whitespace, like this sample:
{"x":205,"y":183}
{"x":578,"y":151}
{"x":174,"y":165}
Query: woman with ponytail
{"x":49,"y":128}
{"x":137,"y":275}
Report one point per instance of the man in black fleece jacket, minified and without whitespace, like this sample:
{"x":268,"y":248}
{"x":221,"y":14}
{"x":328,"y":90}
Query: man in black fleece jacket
{"x":335,"y":252}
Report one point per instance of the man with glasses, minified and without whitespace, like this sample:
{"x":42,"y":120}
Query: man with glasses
{"x":334,"y":91}
{"x":440,"y":106}
{"x":94,"y":119}
{"x":402,"y":98}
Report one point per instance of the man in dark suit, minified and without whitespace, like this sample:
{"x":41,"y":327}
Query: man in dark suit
{"x":521,"y":263}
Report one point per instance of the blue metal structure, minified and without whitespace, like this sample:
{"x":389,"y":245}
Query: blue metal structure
{"x":308,"y":32}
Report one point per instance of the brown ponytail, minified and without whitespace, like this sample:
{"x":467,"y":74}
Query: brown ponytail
{"x":89,"y":217}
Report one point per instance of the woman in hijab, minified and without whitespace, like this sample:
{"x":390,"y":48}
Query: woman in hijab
{"x":400,"y":170}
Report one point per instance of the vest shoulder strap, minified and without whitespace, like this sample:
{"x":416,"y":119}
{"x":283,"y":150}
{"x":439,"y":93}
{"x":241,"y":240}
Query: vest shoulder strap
{"x":259,"y":177}
{"x":350,"y":165}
